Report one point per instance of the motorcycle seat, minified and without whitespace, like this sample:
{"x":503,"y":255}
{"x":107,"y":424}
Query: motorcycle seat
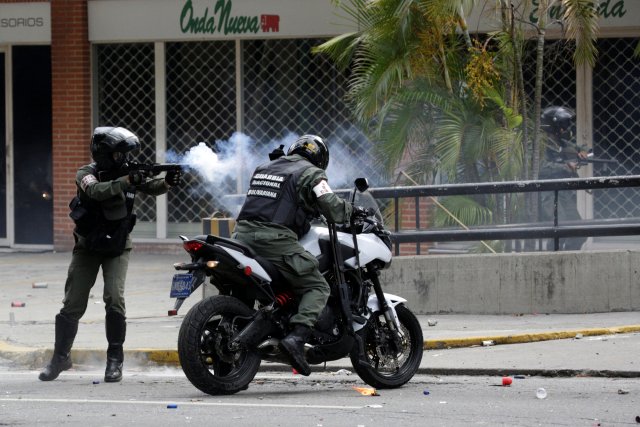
{"x":268,"y":266}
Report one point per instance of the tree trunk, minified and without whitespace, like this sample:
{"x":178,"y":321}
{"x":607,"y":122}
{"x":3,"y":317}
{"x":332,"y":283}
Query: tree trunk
{"x":465,"y":30}
{"x":535,"y":158}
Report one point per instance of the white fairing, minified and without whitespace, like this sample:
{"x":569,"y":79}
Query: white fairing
{"x":392,"y":301}
{"x":369,"y":245}
{"x":374,"y":306}
{"x":245,"y":261}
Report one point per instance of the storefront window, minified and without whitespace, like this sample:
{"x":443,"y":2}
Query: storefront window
{"x":126,"y":97}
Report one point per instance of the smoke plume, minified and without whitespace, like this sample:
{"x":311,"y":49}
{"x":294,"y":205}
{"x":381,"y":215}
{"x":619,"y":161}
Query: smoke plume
{"x":225,"y":167}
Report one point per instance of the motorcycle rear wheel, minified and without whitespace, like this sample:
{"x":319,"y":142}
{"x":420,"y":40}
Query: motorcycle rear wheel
{"x":389,"y":368}
{"x":203,"y":346}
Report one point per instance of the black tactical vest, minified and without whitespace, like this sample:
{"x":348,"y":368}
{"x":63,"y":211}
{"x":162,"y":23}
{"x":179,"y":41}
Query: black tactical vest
{"x":272,"y":196}
{"x":101,"y":235}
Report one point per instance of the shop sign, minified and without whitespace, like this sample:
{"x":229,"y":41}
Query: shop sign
{"x":149,"y":20}
{"x":133,"y":20}
{"x":606,"y":9}
{"x":220,"y":19}
{"x":613,"y":14}
{"x":25,"y":23}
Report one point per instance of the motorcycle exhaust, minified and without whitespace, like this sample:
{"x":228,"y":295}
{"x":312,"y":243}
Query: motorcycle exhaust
{"x":269,"y":348}
{"x":270,"y":351}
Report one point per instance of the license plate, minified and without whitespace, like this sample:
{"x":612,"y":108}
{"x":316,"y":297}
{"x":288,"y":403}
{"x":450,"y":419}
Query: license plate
{"x":181,"y":285}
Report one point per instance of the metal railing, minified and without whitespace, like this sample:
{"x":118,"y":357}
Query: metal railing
{"x":543,"y":230}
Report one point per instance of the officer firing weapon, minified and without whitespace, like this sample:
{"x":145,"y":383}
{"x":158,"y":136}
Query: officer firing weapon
{"x":147,"y":169}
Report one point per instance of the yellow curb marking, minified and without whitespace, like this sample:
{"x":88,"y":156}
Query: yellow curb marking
{"x":525,"y":338}
{"x":170,"y":357}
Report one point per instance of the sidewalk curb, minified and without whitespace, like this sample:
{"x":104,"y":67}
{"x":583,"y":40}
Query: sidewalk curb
{"x":445,"y":343}
{"x":36,"y":358}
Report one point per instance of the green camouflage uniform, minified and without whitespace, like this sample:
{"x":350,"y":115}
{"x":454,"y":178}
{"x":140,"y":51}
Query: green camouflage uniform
{"x":280,"y":245}
{"x":85,"y":264}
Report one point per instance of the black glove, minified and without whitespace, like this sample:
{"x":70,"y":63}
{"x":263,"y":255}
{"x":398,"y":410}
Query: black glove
{"x":358,"y":213}
{"x":174,"y":178}
{"x":276,"y":153}
{"x":136,"y":178}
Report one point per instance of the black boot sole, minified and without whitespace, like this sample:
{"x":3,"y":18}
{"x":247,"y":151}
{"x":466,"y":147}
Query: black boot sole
{"x":54,"y":373}
{"x":114,"y":374}
{"x":294,"y":362}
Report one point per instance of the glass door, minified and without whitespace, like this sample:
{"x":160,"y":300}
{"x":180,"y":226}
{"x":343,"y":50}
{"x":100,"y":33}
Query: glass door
{"x":31,"y":145}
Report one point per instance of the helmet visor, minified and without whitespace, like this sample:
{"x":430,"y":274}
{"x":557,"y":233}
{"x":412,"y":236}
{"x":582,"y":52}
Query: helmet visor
{"x":119,"y":158}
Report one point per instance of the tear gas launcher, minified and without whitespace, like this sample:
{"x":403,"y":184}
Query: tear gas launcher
{"x":147,"y":169}
{"x":589,"y":159}
{"x":596,"y":160}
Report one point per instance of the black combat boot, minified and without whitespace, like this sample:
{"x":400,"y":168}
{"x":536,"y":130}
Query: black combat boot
{"x":116,"y":328}
{"x":66,"y":330}
{"x":293,"y":346}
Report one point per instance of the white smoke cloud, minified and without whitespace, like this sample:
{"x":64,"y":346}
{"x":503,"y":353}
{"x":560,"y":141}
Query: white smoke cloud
{"x":224,"y":168}
{"x":235,"y":158}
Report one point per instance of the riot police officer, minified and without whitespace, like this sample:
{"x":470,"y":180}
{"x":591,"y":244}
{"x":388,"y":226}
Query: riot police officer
{"x":561,"y":157}
{"x":102,"y":212}
{"x":283,"y":196}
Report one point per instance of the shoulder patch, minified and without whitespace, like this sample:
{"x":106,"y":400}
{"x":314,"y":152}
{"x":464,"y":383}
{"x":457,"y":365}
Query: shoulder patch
{"x":322,"y":188}
{"x":87,"y":181}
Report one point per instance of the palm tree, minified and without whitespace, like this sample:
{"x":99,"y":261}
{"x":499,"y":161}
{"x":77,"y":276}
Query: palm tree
{"x":440,"y":101}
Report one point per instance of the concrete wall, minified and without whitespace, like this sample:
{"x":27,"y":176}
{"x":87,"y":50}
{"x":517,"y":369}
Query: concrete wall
{"x":514,"y":283}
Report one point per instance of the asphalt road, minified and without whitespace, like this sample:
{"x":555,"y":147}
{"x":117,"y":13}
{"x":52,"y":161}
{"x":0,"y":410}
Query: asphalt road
{"x":164,"y":397}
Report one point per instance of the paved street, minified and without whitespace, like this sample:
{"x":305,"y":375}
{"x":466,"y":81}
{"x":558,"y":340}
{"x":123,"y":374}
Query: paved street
{"x":587,"y":363}
{"x":602,"y":342}
{"x":166,"y":398}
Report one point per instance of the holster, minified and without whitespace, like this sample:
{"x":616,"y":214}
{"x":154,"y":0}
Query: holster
{"x":81,"y":216}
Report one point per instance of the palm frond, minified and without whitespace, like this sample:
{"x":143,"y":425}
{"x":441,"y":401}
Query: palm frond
{"x":467,"y":210}
{"x":394,"y":130}
{"x":582,"y":25}
{"x":512,"y":118}
{"x":445,"y":7}
{"x":507,"y":146}
{"x":340,"y":49}
{"x":450,"y":134}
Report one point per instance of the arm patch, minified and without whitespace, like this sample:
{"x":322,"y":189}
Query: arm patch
{"x":87,"y":181}
{"x":322,"y":188}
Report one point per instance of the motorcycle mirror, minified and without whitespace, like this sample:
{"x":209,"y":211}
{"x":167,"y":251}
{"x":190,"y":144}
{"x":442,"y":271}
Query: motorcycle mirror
{"x":362,"y":184}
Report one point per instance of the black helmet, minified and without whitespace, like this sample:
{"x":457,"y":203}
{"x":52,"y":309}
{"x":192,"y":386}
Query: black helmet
{"x":313,"y":148}
{"x":557,"y":120}
{"x":108,"y":140}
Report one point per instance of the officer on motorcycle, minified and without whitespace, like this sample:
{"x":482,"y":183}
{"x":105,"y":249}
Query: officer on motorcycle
{"x":283,"y":196}
{"x":561,"y":156}
{"x":102,"y":212}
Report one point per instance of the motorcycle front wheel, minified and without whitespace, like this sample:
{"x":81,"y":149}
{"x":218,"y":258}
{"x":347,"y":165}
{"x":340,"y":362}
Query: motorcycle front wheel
{"x":208,"y":360}
{"x":389,"y":366}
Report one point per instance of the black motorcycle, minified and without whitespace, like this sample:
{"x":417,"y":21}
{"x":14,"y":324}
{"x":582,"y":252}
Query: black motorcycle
{"x":223,"y":338}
